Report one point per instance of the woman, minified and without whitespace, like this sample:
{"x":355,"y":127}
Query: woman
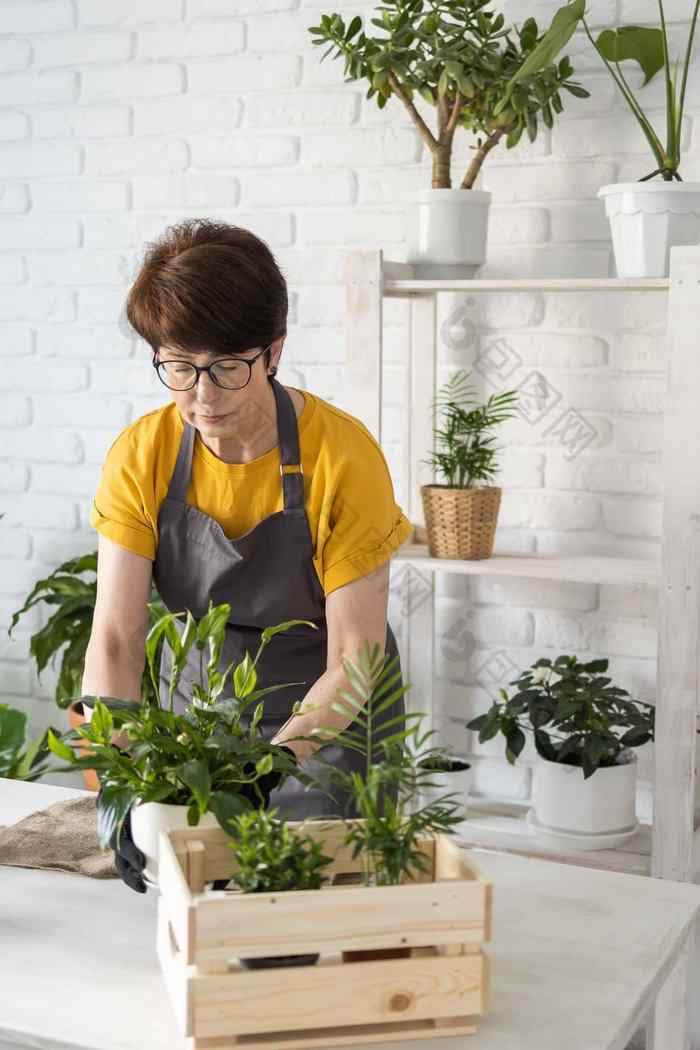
{"x":240,"y":490}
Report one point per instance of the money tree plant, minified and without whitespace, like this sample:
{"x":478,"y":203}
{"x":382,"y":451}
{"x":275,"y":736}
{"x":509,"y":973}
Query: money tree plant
{"x":460,"y":58}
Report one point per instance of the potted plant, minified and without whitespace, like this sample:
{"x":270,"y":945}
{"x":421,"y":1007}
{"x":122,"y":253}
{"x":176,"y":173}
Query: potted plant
{"x":585,"y":729}
{"x":274,"y":857}
{"x":386,"y":835}
{"x":180,"y":769}
{"x":448,"y":773}
{"x":459,"y":58}
{"x":461,"y":515}
{"x":67,"y":630}
{"x":17,"y":761}
{"x":646,"y":217}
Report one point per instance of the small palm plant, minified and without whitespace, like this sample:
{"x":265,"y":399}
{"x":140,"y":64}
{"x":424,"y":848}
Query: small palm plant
{"x":387,"y":836}
{"x":466,"y":451}
{"x":461,"y":515}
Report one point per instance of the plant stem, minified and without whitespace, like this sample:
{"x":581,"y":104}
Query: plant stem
{"x":686,"y":63}
{"x":670,"y":93}
{"x":650,"y":134}
{"x":479,"y":158}
{"x":423,"y":129}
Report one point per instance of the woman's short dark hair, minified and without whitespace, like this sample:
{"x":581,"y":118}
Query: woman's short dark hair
{"x":208,"y":286}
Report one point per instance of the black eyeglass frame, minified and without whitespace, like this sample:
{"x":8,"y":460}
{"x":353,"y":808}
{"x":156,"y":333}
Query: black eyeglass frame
{"x":250,"y":361}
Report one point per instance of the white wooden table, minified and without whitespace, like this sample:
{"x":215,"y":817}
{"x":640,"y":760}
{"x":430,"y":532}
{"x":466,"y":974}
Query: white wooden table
{"x":577,"y":955}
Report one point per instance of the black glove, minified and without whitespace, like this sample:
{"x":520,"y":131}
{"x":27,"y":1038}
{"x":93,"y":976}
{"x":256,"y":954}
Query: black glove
{"x":128,"y":858}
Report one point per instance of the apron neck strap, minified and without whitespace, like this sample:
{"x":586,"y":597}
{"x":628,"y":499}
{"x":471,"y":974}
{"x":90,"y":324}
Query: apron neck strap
{"x":290,"y":459}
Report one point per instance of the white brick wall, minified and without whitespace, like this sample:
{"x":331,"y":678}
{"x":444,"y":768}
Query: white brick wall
{"x":120,"y":117}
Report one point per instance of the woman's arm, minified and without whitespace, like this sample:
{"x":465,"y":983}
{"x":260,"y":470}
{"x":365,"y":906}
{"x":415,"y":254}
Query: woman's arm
{"x":116,"y":653}
{"x":355,"y":613}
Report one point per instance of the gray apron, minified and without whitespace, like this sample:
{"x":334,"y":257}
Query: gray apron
{"x":267,"y":575}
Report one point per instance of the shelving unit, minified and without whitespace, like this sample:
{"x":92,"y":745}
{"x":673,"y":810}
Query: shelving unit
{"x":668,"y":848}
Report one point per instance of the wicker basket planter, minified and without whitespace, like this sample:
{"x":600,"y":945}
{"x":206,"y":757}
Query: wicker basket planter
{"x":440,"y":919}
{"x":461,"y":522}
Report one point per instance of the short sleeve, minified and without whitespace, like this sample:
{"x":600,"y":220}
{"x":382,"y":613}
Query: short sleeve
{"x":365,"y":524}
{"x":122,"y":507}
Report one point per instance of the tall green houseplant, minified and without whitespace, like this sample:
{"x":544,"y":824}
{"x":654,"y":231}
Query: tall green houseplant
{"x":460,"y":58}
{"x":67,"y":630}
{"x":649,"y":48}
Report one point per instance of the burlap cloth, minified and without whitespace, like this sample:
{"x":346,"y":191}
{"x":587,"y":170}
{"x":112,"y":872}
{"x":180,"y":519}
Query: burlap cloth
{"x":62,"y":837}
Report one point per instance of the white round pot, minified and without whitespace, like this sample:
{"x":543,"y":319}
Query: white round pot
{"x":647,"y":219}
{"x":460,"y":781}
{"x":447,"y":231}
{"x":565,"y":801}
{"x":148,"y":819}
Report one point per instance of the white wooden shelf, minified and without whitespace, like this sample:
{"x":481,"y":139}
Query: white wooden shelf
{"x":576,"y":568}
{"x":400,"y":287}
{"x":497,"y":825}
{"x":500,"y":826}
{"x":667,"y":849}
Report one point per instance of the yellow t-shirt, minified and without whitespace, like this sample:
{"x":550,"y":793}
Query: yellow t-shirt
{"x":355,"y":523}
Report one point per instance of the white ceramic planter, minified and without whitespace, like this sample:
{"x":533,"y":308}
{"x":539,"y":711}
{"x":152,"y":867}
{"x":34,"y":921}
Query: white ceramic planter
{"x":564,"y":801}
{"x":459,"y":781}
{"x":447,"y":232}
{"x":647,"y":219}
{"x":148,"y":819}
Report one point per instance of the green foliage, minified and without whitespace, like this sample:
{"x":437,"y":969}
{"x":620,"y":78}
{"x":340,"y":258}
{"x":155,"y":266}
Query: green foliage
{"x":273,"y":856}
{"x":461,"y":58}
{"x":576,"y":714}
{"x":16,"y":763}
{"x":69,"y":626}
{"x":205,"y":758}
{"x":466,"y":453}
{"x":386,"y":832}
{"x":648,"y":47}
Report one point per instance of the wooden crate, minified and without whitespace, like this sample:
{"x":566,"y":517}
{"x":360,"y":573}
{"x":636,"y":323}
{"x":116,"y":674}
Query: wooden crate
{"x":443,"y":918}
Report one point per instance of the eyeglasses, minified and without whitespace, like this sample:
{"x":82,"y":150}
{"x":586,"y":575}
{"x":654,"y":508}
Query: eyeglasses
{"x":232,"y":373}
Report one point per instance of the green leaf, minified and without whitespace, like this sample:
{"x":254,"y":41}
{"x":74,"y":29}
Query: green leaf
{"x":244,"y":677}
{"x":576,"y":90}
{"x":641,"y":44}
{"x":560,"y":31}
{"x":595,"y":666}
{"x":13,"y":726}
{"x":61,"y":749}
{"x":264,"y":765}
{"x":226,"y":806}
{"x":102,"y":723}
{"x":195,"y":774}
{"x":113,"y":804}
{"x":354,"y":28}
{"x":270,"y":632}
{"x":515,"y":739}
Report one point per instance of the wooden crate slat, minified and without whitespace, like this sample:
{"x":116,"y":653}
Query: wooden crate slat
{"x":365,"y":993}
{"x":220,"y":860}
{"x":176,"y":974}
{"x":357,"y":1035}
{"x":175,"y":892}
{"x":255,"y":924}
